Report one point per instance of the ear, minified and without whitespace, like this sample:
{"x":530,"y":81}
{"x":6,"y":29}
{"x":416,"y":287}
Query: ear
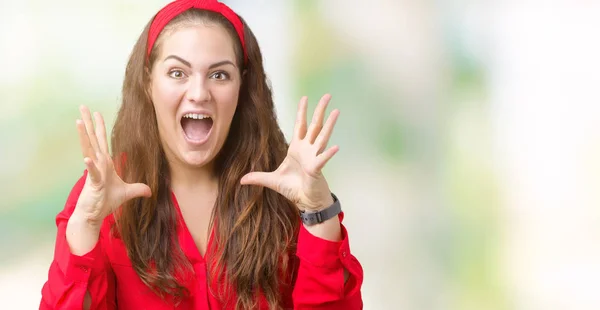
{"x":148,"y":90}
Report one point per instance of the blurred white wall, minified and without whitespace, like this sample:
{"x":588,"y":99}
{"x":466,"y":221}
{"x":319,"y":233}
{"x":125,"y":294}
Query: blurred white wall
{"x":545,"y":99}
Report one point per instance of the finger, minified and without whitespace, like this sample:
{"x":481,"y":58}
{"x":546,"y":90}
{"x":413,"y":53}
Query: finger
{"x":266,"y":179}
{"x":93,"y":171}
{"x":300,"y":127}
{"x":317,"y":120}
{"x":136,"y":190}
{"x":101,"y":133}
{"x":324,"y":157}
{"x":84,"y":141}
{"x":89,"y":127}
{"x":325,"y":134}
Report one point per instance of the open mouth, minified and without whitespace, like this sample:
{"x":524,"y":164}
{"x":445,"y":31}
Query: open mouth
{"x":196,"y":127}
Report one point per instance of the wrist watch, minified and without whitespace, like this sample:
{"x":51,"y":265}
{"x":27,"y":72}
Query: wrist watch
{"x":313,"y":218}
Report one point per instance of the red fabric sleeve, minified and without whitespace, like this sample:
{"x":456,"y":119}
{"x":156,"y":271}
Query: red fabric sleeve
{"x":70,"y":276}
{"x":320,"y":277}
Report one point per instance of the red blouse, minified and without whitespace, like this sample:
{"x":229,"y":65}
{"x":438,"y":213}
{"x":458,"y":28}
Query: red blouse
{"x":107,"y":274}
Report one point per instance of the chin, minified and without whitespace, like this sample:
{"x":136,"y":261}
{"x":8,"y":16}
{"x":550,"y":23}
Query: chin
{"x":197,"y":159}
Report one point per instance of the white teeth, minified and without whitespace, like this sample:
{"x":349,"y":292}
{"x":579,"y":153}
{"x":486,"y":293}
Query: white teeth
{"x":196,"y":116}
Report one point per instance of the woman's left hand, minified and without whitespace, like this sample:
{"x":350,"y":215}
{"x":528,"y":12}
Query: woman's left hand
{"x":299,"y":176}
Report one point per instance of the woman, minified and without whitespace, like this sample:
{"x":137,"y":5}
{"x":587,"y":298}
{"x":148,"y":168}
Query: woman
{"x":188,"y":216}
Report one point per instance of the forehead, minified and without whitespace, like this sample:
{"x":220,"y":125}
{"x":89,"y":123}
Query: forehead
{"x":199,"y":44}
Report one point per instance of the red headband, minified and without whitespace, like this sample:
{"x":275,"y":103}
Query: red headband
{"x":173,"y":9}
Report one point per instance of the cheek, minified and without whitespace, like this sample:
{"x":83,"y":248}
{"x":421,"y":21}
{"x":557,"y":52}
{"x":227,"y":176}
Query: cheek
{"x":165,"y":98}
{"x":229,"y":101}
{"x":164,"y":109}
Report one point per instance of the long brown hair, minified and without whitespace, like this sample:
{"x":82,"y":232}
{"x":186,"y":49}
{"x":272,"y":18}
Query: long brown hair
{"x":255,"y":228}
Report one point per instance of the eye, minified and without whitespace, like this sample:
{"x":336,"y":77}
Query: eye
{"x":221,"y":75}
{"x":176,"y":74}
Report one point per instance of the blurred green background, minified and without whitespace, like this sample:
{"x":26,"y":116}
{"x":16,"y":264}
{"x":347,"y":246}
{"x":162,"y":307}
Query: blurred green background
{"x":469,"y":136}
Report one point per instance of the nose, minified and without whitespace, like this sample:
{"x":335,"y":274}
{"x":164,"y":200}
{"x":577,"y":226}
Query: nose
{"x":197,"y":90}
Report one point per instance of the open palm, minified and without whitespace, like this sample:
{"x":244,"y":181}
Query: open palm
{"x":104,"y":190}
{"x":299,"y":176}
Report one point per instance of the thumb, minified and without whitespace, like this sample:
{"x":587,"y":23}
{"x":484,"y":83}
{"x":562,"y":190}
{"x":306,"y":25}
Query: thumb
{"x":266,"y":179}
{"x":137,"y":190}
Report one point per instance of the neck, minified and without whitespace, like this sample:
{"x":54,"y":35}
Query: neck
{"x":201,"y":179}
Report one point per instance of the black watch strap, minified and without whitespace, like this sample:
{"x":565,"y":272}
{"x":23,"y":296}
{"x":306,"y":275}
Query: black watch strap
{"x":314,"y":218}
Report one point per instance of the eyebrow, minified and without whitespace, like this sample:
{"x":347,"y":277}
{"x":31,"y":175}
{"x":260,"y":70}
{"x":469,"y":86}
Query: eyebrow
{"x":187,"y":63}
{"x":220,"y":63}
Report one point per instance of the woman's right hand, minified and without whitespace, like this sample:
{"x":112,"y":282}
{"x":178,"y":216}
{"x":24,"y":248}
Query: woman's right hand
{"x":104,"y":191}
